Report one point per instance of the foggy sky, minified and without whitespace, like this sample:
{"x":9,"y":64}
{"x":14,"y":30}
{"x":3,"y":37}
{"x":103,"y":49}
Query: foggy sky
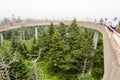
{"x":67,"y":9}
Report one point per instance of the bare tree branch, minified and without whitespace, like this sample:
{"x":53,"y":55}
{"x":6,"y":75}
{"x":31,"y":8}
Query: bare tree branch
{"x":35,"y":66}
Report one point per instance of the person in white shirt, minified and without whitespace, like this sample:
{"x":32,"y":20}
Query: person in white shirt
{"x":114,"y":24}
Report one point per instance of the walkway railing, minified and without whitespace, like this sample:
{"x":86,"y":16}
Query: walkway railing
{"x":114,"y":31}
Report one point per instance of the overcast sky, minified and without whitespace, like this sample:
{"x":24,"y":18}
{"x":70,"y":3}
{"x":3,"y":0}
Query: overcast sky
{"x":68,"y":9}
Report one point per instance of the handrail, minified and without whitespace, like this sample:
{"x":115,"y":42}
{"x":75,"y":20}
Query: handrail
{"x":114,"y":31}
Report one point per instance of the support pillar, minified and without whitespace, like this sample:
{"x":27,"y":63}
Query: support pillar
{"x":95,"y":39}
{"x":1,"y":38}
{"x":36,"y":33}
{"x":22,"y":35}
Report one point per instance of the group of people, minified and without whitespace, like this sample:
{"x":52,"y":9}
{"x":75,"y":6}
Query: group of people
{"x":113,"y":24}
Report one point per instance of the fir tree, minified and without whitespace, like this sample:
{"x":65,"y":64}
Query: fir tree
{"x":55,"y":52}
{"x":18,"y":71}
{"x":62,"y":29}
{"x":20,"y":47}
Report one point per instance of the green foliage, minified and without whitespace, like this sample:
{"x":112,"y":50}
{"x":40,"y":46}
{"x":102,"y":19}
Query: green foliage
{"x":41,"y":44}
{"x":20,"y":47}
{"x":65,"y":49}
{"x":29,"y":32}
{"x":70,"y":53}
{"x":6,"y":54}
{"x":55,"y":48}
{"x":85,"y":77}
{"x":79,"y":49}
{"x":8,"y":35}
{"x":62,"y":29}
{"x":73,"y":32}
{"x":51,"y":30}
{"x":35,"y":47}
{"x":16,"y":68}
{"x":18,"y":71}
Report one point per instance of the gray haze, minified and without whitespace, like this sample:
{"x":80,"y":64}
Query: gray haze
{"x":58,"y":9}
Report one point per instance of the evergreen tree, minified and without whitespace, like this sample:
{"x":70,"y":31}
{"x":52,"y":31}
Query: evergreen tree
{"x":35,"y":47}
{"x":77,"y":51}
{"x":12,"y":67}
{"x":18,"y":71}
{"x":41,"y":44}
{"x":73,"y":32}
{"x":62,"y":29}
{"x":20,"y":47}
{"x":55,"y":52}
{"x":51,"y":29}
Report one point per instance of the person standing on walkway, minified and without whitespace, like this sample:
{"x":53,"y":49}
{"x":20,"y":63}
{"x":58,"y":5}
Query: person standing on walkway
{"x":101,"y":21}
{"x":106,"y":23}
{"x":114,"y":24}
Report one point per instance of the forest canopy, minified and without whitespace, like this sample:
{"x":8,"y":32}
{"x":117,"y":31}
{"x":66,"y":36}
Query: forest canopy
{"x":61,"y":52}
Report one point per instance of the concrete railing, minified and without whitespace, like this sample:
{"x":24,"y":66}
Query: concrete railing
{"x":110,"y":42}
{"x":112,"y":57}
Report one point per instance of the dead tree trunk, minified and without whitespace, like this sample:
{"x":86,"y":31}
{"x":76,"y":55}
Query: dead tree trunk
{"x":35,"y":67}
{"x":84,"y":66}
{"x":7,"y":74}
{"x":4,"y":71}
{"x":35,"y":71}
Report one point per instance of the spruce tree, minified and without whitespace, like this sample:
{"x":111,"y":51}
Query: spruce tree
{"x":62,"y":29}
{"x":51,"y":29}
{"x":18,"y":71}
{"x":55,"y":52}
{"x":12,"y":67}
{"x":19,"y":46}
{"x":77,"y":51}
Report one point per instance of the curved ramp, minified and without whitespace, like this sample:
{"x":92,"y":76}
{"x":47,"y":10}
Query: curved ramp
{"x":111,"y":44}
